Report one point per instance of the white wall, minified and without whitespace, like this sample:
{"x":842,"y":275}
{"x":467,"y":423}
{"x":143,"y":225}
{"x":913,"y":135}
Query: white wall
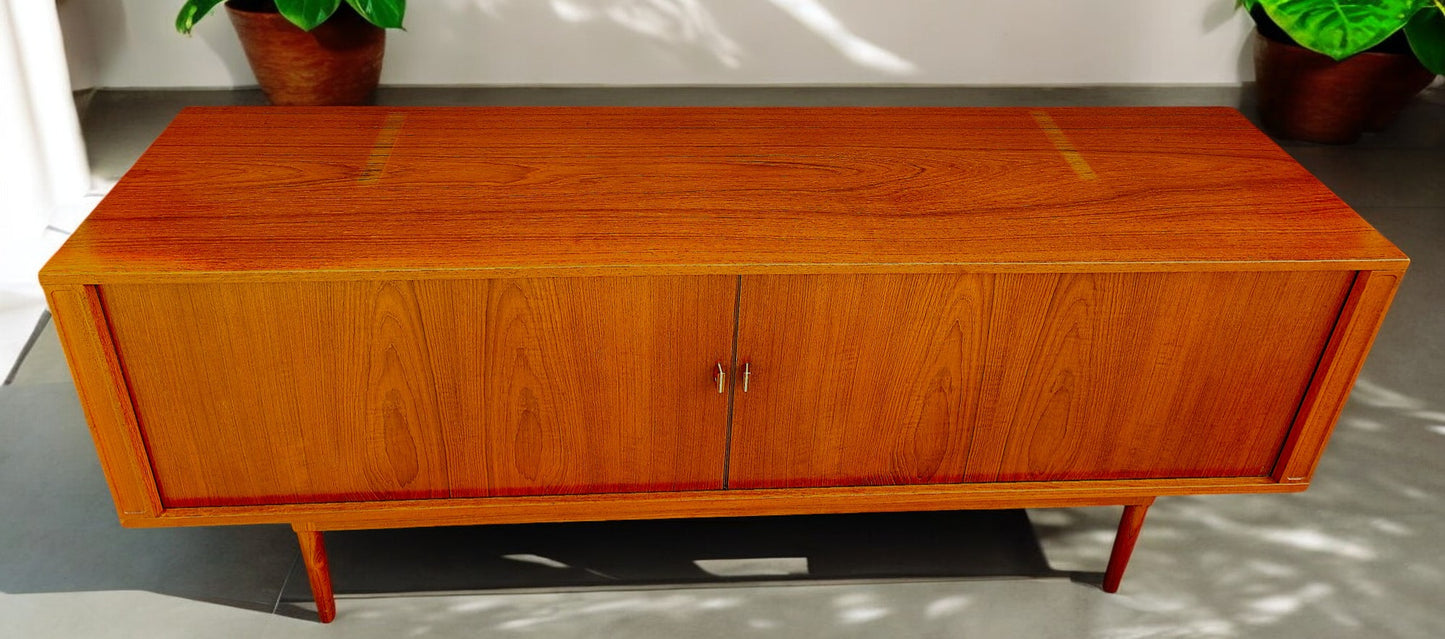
{"x":74,"y":18}
{"x":994,"y":42}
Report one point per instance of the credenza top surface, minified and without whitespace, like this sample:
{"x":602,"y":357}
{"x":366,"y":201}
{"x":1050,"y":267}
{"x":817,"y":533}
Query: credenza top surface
{"x":276,"y":193}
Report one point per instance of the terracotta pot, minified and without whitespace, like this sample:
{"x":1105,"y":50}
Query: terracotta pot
{"x":337,"y":63}
{"x":1309,"y":96}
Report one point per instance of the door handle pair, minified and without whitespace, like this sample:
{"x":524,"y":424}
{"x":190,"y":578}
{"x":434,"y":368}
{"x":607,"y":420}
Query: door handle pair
{"x":721,"y":377}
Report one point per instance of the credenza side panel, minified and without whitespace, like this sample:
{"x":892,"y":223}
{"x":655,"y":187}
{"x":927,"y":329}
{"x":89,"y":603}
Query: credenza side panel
{"x":1355,"y":331}
{"x":81,"y":325}
{"x":274,"y":393}
{"x":896,"y":379}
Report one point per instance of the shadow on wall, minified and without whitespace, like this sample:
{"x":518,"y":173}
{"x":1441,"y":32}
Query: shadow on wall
{"x":126,"y":39}
{"x":696,"y":42}
{"x":688,"y":23}
{"x":224,"y":44}
{"x":99,"y":23}
{"x":1218,"y":16}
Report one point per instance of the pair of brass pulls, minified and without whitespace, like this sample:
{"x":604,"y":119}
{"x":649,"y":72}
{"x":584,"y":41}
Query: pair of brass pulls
{"x":721,"y":377}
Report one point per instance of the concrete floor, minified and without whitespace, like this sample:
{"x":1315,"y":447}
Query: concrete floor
{"x":1356,"y":555}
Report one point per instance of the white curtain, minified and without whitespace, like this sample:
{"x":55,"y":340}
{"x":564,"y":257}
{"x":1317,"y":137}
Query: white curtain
{"x":43,"y":171}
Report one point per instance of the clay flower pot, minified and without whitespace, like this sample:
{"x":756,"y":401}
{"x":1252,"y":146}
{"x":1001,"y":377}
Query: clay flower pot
{"x":1305,"y":95}
{"x":337,"y":63}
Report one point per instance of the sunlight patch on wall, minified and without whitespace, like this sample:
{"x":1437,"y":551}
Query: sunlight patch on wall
{"x":817,"y":18}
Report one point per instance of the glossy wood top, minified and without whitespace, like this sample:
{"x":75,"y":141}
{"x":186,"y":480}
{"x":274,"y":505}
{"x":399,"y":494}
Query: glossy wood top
{"x":287,"y":193}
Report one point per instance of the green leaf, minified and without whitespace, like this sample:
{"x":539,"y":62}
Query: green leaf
{"x":307,"y":14}
{"x":1426,"y":32}
{"x":1248,"y":5}
{"x":386,"y":14}
{"x":1340,"y":28}
{"x":192,"y":12}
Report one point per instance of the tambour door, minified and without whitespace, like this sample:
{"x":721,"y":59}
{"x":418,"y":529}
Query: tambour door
{"x":257,"y":393}
{"x":903,"y":379}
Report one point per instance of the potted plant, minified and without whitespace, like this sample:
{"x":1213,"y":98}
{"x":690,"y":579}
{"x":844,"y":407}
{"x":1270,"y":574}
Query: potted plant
{"x":1328,"y":70}
{"x":309,"y":52}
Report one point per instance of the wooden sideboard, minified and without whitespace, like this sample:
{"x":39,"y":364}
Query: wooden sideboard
{"x":354,"y":318}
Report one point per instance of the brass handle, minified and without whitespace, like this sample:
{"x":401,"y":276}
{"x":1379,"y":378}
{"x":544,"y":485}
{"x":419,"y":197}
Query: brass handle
{"x":747,"y":372}
{"x":721,"y":378}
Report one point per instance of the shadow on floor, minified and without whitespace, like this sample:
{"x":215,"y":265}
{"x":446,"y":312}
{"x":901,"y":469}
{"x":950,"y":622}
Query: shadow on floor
{"x":698,"y":552}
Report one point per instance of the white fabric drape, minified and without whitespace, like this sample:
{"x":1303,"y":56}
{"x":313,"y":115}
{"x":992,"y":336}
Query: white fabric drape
{"x":43,"y":171}
{"x":43,"y":158}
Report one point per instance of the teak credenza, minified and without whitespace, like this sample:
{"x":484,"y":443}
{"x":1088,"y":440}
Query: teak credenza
{"x":372,"y":317}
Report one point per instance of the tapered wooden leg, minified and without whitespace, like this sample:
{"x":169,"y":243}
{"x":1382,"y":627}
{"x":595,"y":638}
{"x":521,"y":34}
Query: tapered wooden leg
{"x":1129,"y":526}
{"x":313,"y":554}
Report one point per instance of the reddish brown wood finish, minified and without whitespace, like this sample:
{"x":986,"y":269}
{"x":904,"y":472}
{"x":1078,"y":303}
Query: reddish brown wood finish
{"x":868,"y":379}
{"x":350,"y":318}
{"x":587,"y":384}
{"x":876,"y":379}
{"x":100,"y":382}
{"x":282,"y":393}
{"x":1157,"y":375}
{"x":231,"y":194}
{"x":1129,"y":526}
{"x":1344,"y":357}
{"x":713,"y":503}
{"x":306,"y":392}
{"x":318,"y":571}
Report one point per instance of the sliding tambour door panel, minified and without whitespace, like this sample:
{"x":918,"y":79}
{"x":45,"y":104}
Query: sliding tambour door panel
{"x":889,"y":379}
{"x":281,"y":393}
{"x":585,"y":384}
{"x":857,"y":379}
{"x":313,"y":391}
{"x":1150,"y":374}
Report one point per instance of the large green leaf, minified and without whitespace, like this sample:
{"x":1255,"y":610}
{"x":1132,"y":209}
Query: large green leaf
{"x":386,"y":14}
{"x":192,"y":12}
{"x":1426,"y":32}
{"x":1340,"y":28}
{"x":307,"y":14}
{"x":1248,"y":4}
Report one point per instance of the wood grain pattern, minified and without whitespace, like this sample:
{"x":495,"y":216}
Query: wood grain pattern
{"x":712,"y":503}
{"x":1344,"y":357}
{"x":100,"y":383}
{"x":318,"y":572}
{"x":377,"y":318}
{"x":1156,"y":375}
{"x":267,"y":194}
{"x":939,"y":378}
{"x":286,"y":393}
{"x":583,"y":384}
{"x":1130,"y":524}
{"x":281,"y":393}
{"x":868,"y":379}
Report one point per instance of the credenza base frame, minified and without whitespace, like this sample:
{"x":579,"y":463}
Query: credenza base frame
{"x":318,"y":569}
{"x":309,"y":521}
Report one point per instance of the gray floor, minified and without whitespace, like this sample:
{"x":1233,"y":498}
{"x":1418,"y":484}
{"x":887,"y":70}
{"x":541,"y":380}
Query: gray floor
{"x":1356,"y":555}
